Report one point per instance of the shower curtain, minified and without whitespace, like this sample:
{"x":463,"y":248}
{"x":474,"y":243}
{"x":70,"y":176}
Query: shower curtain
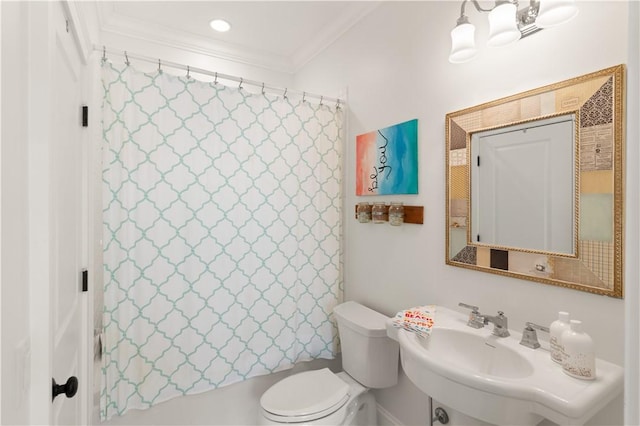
{"x":222,"y":235}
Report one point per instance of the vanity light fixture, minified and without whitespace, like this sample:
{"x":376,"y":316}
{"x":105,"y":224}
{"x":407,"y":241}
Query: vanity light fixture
{"x":220,"y":25}
{"x":507,"y":24}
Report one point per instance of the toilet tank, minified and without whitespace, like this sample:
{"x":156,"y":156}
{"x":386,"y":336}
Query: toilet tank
{"x":368,"y":355}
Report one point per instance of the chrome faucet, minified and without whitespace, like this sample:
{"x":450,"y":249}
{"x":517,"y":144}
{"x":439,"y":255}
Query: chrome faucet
{"x":500,"y":324}
{"x":478,"y":320}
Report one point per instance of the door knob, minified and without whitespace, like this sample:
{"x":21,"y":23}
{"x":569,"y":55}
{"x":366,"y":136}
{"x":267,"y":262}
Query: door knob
{"x":69,"y":389}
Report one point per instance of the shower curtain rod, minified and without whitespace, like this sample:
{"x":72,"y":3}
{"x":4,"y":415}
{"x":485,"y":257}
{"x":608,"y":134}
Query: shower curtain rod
{"x":241,"y":81}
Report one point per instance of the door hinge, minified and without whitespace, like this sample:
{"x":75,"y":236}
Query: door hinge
{"x":478,"y":238}
{"x":85,"y":280}
{"x":478,"y":161}
{"x":85,"y":116}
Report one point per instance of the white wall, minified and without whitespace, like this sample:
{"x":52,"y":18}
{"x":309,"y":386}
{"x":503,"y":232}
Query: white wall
{"x":394,"y":64}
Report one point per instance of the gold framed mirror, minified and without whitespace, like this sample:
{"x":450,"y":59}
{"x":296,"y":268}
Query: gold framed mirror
{"x":595,"y":103}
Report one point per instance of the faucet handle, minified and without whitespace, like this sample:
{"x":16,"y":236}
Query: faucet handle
{"x":529,"y":335}
{"x":537,"y":327}
{"x":474,"y":309}
{"x":476,"y":319}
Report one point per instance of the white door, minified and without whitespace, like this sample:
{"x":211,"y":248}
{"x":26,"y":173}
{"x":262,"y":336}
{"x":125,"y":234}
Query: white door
{"x":56,"y":213}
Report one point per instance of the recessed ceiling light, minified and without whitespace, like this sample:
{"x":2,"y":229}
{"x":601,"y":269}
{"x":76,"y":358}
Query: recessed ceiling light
{"x":220,"y":25}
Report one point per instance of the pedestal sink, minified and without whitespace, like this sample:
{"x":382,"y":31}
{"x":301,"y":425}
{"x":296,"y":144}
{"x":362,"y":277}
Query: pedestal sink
{"x":496,"y":379}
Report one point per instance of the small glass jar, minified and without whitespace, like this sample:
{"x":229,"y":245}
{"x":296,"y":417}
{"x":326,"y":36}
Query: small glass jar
{"x":364,"y":212}
{"x":378,"y":212}
{"x":396,"y":214}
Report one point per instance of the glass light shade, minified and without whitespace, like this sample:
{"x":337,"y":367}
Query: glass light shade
{"x":503,"y":28}
{"x":555,"y":12}
{"x":463,"y":43}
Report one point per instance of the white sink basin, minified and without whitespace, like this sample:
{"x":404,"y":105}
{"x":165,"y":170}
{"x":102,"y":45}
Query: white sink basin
{"x":497,"y":380}
{"x":475,"y":353}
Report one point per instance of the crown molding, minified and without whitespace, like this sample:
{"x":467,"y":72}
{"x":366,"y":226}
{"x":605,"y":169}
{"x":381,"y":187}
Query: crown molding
{"x":332,"y":32}
{"x":112,"y":23}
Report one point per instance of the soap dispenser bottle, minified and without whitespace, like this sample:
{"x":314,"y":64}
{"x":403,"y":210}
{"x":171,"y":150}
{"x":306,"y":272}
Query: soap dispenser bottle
{"x":579,"y":358}
{"x":556,"y":329}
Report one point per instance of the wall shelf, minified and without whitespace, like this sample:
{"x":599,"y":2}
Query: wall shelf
{"x":412,"y":214}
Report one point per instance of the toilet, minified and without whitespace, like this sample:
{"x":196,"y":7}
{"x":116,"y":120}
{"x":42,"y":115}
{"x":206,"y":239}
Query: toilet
{"x":321,"y":397}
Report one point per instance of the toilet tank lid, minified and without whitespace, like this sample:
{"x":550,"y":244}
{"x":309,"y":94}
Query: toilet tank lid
{"x":361,"y":319}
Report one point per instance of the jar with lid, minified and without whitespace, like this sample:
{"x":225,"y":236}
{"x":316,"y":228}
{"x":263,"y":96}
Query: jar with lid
{"x":378,"y":212}
{"x":364,"y":212}
{"x":396,"y":214}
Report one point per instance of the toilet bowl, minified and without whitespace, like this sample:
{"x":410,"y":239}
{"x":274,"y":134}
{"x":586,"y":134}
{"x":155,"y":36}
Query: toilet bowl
{"x":339,"y":401}
{"x":321,"y":397}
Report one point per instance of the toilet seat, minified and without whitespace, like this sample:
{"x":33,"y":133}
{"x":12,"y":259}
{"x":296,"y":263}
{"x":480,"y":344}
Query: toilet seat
{"x":305,"y":397}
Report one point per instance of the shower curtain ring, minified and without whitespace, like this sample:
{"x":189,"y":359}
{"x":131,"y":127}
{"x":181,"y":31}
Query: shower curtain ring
{"x":126,"y":59}
{"x":215,"y":81}
{"x":188,"y":72}
{"x":240,"y":85}
{"x":263,"y":88}
{"x":304,"y":95}
{"x":159,"y":66}
{"x":321,"y":99}
{"x":285,"y":93}
{"x":104,"y":53}
{"x":338,"y":105}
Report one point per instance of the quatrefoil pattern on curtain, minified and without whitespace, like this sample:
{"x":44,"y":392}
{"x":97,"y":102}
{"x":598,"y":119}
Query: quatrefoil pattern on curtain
{"x":222,"y":235}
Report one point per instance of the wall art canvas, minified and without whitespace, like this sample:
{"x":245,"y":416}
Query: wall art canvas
{"x":387,"y":160}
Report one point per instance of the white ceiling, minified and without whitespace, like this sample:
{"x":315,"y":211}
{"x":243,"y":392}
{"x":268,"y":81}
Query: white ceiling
{"x":279,"y":35}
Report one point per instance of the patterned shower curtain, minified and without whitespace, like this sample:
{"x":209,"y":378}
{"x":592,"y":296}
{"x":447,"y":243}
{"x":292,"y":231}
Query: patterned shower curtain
{"x":222,"y":235}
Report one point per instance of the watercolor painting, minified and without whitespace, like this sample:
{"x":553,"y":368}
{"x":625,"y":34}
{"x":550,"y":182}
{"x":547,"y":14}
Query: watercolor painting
{"x":387,"y":160}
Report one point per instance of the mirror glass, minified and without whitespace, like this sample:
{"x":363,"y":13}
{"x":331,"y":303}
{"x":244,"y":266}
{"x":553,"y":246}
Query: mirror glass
{"x":523,"y":186}
{"x":545,"y":211}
